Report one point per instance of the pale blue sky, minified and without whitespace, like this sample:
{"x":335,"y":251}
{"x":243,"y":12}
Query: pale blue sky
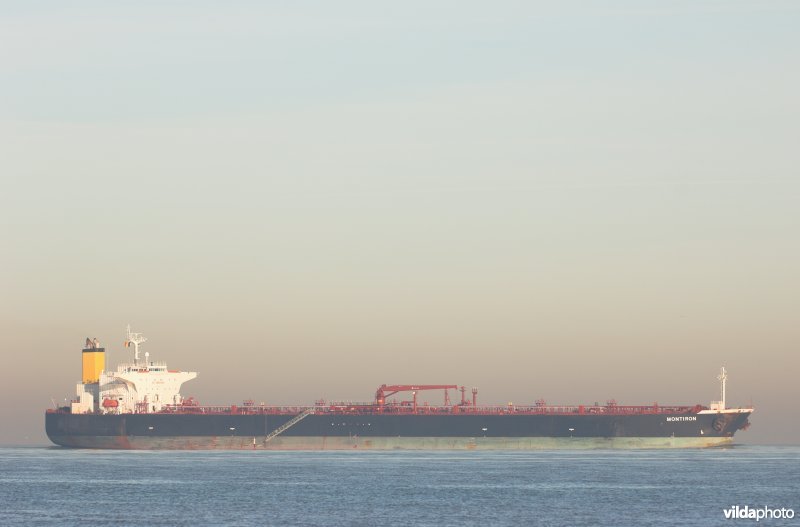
{"x":569,"y":200}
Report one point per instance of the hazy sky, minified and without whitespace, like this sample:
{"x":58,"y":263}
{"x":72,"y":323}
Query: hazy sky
{"x":569,"y":200}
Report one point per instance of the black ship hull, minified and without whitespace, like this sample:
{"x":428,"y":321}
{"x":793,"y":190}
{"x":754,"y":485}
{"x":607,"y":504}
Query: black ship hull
{"x":387,"y":432}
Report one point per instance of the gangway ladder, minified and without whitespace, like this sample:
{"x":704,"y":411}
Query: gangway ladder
{"x":287,"y":425}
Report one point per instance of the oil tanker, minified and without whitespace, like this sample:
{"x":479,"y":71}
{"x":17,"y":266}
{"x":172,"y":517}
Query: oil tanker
{"x":139,"y":406}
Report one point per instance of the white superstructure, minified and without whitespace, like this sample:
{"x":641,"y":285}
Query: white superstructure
{"x":143,"y":386}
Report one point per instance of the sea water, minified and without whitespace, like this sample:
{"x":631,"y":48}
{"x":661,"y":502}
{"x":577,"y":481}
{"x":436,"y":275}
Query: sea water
{"x":57,"y":486}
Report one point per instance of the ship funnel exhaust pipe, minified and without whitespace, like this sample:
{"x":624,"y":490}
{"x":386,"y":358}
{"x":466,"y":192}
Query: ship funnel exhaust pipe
{"x":93,"y":361}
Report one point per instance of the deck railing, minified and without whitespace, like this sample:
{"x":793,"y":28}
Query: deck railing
{"x":400,"y":409}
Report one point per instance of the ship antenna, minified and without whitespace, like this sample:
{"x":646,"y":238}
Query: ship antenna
{"x":723,"y":376}
{"x":135,"y":339}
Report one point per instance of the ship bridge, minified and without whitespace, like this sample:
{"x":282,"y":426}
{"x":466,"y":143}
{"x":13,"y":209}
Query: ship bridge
{"x":141,"y":386}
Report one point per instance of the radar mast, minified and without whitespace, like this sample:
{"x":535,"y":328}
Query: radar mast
{"x":135,"y":339}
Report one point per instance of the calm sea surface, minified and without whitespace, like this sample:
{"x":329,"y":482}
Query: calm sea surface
{"x":57,"y":486}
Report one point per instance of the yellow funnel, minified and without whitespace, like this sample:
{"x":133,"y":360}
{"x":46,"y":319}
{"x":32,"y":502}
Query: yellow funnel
{"x":94,"y":362}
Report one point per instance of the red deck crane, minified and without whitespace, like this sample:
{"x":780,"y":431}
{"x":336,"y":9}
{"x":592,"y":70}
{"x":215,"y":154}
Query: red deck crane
{"x":387,"y":390}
